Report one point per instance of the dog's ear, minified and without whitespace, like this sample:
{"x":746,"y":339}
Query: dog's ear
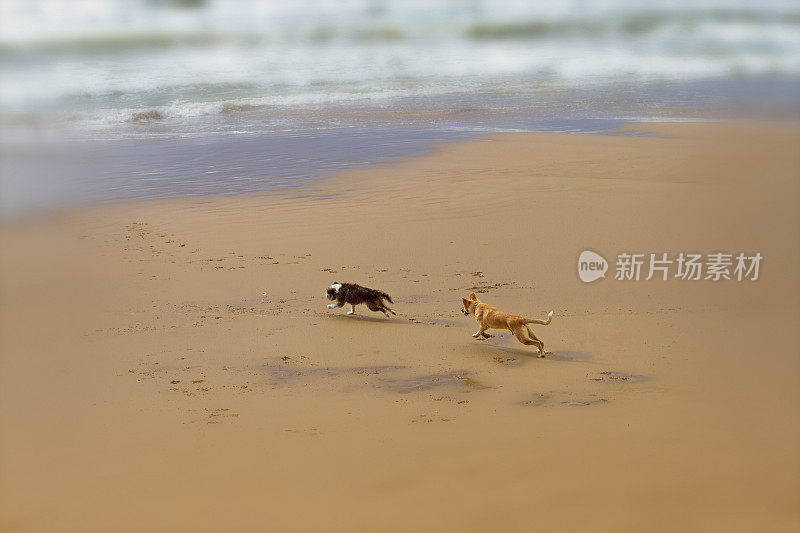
{"x":336,"y":283}
{"x":465,"y":302}
{"x":473,"y":297}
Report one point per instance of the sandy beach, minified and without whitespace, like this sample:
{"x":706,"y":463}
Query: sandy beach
{"x":171,"y":366}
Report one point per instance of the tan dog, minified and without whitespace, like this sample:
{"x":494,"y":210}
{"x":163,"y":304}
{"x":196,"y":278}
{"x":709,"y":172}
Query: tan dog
{"x":491,"y":318}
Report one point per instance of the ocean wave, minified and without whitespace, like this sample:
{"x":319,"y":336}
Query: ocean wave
{"x":149,"y":115}
{"x":148,"y":61}
{"x":634,"y":24}
{"x":692,"y":23}
{"x":104,"y":43}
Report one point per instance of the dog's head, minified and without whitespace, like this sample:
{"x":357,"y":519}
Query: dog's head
{"x":333,"y":291}
{"x":469,"y":305}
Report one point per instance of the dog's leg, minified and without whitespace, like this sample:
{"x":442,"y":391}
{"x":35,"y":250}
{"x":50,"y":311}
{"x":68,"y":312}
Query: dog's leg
{"x":387,"y":308}
{"x":373,"y":306}
{"x":352,"y":310}
{"x":378,"y":305}
{"x":533,"y":339}
{"x":482,"y":332}
{"x":524,"y":335}
{"x":386,"y":311}
{"x":336,"y":304}
{"x":537,"y":340}
{"x":540,"y":347}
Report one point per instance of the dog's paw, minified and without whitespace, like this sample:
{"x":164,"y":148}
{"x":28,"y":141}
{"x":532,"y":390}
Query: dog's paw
{"x":476,"y":335}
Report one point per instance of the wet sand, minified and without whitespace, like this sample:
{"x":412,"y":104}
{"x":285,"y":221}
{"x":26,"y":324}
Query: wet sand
{"x":171,"y":366}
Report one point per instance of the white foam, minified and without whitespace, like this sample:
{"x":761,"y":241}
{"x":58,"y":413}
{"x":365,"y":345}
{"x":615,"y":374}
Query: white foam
{"x":104,"y":61}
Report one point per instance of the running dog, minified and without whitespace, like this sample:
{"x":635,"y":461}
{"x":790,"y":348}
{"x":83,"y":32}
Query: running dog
{"x":350,"y":293}
{"x":491,"y":318}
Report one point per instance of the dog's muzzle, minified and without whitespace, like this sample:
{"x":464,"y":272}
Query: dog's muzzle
{"x":466,"y":313}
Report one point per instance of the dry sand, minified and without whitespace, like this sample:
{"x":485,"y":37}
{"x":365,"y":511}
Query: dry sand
{"x":171,"y":366}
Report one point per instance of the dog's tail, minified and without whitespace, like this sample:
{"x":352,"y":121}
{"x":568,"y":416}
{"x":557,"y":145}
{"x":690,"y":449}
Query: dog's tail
{"x":384,"y":295}
{"x":537,"y":321}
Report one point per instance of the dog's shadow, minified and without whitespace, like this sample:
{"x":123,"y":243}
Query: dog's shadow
{"x":521,"y":353}
{"x":568,"y":356}
{"x":367,"y":318}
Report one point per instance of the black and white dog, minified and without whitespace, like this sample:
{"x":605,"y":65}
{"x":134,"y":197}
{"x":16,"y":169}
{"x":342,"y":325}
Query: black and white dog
{"x":350,"y":293}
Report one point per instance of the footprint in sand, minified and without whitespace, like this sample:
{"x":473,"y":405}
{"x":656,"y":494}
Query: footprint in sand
{"x":219,"y":414}
{"x":508,"y":361}
{"x":613,"y":376}
{"x":540,"y":399}
{"x":584,"y":402}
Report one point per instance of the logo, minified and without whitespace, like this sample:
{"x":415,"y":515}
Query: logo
{"x":685,"y":266}
{"x":591,"y":266}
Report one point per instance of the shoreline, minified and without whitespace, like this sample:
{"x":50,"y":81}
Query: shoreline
{"x":261,"y":148}
{"x":170,"y":364}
